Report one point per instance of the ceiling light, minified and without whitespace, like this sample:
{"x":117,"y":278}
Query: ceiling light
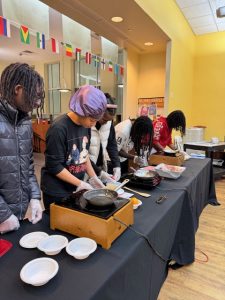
{"x":63,"y":88}
{"x":220,"y":12}
{"x":117,"y":19}
{"x":149,"y":44}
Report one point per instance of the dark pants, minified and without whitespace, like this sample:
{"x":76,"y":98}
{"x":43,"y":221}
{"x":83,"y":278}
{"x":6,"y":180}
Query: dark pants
{"x":47,"y":199}
{"x":124,"y":167}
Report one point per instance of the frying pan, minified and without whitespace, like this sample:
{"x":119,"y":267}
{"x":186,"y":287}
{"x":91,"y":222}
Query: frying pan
{"x":103,"y":197}
{"x":145,"y":174}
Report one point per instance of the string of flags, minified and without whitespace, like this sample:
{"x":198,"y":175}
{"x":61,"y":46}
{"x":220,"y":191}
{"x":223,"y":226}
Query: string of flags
{"x":55,"y":47}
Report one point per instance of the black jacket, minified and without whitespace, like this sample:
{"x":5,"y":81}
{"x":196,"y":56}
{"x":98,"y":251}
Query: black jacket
{"x":18,"y":183}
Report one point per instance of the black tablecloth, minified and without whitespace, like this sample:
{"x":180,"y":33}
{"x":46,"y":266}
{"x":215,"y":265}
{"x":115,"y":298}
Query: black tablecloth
{"x":130,"y":269}
{"x":198,"y":184}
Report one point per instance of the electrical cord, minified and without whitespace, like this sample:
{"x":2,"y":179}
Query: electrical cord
{"x":142,"y":235}
{"x":204,"y":254}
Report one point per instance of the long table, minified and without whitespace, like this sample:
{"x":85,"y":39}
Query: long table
{"x":130,"y":269}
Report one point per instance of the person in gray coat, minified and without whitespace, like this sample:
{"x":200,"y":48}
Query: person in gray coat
{"x":21,"y":91}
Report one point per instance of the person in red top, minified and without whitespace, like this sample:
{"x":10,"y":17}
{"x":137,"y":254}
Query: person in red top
{"x":163,"y":127}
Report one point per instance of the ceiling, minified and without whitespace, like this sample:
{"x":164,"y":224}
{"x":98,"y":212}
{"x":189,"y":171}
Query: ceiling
{"x":136,"y":28}
{"x":201,"y":15}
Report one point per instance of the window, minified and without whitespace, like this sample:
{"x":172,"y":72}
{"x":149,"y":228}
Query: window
{"x":86,"y":73}
{"x":54,"y":97}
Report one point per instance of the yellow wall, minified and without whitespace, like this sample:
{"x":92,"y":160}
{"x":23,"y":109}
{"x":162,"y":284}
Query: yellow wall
{"x":152,"y":75}
{"x":131,"y":93}
{"x":209,"y":84}
{"x":145,"y":78}
{"x":197,"y":68}
{"x":167,"y":15}
{"x":152,"y":72}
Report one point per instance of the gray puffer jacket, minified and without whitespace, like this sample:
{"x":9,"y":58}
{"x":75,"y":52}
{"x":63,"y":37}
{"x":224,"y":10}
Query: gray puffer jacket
{"x":18,"y":183}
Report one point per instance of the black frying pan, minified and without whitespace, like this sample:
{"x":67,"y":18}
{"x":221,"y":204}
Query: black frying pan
{"x":100,"y":197}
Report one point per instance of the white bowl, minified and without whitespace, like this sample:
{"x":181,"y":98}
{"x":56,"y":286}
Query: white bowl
{"x":32,"y":239}
{"x":39,"y":271}
{"x":52,"y":244}
{"x":81,"y":248}
{"x":135,"y":206}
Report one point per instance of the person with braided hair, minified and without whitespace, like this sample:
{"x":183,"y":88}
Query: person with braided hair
{"x":163,"y":127}
{"x":134,"y":134}
{"x":21,"y":91}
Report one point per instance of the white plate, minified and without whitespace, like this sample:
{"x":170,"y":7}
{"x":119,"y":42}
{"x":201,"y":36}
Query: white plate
{"x":39,"y":271}
{"x":32,"y":239}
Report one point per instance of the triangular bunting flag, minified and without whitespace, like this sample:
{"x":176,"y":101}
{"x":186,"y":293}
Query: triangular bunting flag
{"x":69,"y":50}
{"x":88,"y":58}
{"x":55,"y":45}
{"x":40,"y":40}
{"x":110,"y":66}
{"x":96,"y":60}
{"x":78,"y":54}
{"x":121,"y":70}
{"x":24,"y":34}
{"x":5,"y":27}
{"x":103,"y":64}
{"x":116,"y":69}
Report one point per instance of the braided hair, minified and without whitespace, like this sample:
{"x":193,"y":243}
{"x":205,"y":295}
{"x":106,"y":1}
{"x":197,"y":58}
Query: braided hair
{"x":24,"y":75}
{"x":176,"y":120}
{"x":110,"y":100}
{"x":142,"y":129}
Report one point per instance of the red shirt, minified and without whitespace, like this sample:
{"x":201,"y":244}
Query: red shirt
{"x":162,"y":133}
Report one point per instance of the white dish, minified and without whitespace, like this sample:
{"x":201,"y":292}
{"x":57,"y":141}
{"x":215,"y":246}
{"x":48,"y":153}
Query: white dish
{"x":32,"y":239}
{"x":135,"y":206}
{"x":120,"y":191}
{"x":52,"y":244}
{"x":170,"y":151}
{"x":39,"y":271}
{"x":169,"y":171}
{"x":81,"y":248}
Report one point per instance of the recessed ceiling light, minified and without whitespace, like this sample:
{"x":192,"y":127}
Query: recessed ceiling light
{"x":117,"y":19}
{"x":149,"y":44}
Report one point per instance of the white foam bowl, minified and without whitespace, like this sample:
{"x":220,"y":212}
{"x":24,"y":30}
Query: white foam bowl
{"x":81,"y":248}
{"x":52,"y":244}
{"x":135,"y":206}
{"x":39,"y":271}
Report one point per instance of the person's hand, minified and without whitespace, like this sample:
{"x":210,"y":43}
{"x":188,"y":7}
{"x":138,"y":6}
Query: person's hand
{"x":96,"y":183}
{"x":117,"y":173}
{"x":36,"y":211}
{"x":106,"y":177}
{"x":12,"y":223}
{"x":84,"y":186}
{"x":138,"y":160}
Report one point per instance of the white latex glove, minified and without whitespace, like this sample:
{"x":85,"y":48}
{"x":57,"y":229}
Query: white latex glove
{"x":106,"y":177}
{"x":96,"y":183}
{"x":140,"y":161}
{"x":117,"y":173}
{"x":84,"y":186}
{"x":12,"y":223}
{"x":36,"y":211}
